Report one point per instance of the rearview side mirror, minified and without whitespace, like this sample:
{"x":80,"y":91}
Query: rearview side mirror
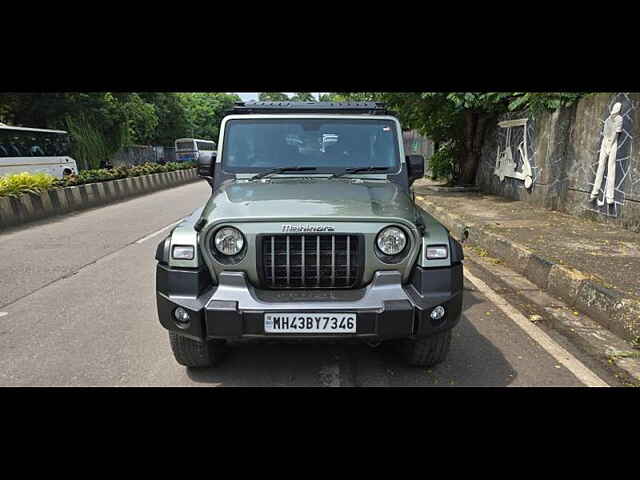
{"x":415,"y":167}
{"x":206,"y":166}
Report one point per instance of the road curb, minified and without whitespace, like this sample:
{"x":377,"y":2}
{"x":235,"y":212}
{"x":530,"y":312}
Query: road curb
{"x":26,"y":208}
{"x":609,"y":307}
{"x":613,"y":353}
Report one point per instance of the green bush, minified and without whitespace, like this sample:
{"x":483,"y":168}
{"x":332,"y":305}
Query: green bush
{"x":106,"y":174}
{"x":441,"y":163}
{"x":19,"y":183}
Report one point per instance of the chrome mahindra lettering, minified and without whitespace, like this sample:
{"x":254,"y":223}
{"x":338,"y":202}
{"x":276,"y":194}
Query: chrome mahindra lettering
{"x":307,"y":228}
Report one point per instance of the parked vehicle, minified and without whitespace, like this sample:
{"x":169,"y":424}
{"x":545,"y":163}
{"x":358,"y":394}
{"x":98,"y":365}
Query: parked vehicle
{"x":311,"y":233}
{"x":193,"y":149}
{"x":33,"y":150}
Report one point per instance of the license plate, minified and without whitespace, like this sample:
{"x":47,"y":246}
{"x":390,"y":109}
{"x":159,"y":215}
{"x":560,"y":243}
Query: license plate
{"x":310,"y":322}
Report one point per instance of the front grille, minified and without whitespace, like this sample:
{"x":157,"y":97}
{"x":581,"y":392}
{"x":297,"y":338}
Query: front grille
{"x":311,"y":261}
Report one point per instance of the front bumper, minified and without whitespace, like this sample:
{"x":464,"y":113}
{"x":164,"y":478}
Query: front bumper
{"x":234,"y":309}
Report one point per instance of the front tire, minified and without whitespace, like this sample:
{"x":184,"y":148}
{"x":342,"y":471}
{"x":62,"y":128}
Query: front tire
{"x":428,"y":351}
{"x":192,"y":353}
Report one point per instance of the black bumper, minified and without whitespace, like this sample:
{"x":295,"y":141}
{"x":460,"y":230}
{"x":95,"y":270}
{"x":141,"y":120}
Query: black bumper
{"x":405,"y":316}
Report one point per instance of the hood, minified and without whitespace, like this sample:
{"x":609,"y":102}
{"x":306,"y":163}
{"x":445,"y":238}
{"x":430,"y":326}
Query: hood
{"x":306,"y":198}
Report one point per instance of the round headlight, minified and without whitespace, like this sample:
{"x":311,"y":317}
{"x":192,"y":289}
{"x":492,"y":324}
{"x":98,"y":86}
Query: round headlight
{"x":229,"y":241}
{"x":391,"y":241}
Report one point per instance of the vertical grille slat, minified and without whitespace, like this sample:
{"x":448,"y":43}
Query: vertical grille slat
{"x":317,"y":260}
{"x":288,"y":267}
{"x":302,"y":260}
{"x":348,"y":257}
{"x":293,"y":261}
{"x":333,"y":260}
{"x":273,"y":258}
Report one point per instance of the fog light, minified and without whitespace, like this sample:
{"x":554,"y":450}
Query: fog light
{"x":437,"y":313}
{"x":181,"y":315}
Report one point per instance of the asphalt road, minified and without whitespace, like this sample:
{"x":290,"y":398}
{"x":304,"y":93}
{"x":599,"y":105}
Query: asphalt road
{"x":77,"y":308}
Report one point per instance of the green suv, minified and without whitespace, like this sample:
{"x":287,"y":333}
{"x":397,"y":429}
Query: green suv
{"x":311,"y":233}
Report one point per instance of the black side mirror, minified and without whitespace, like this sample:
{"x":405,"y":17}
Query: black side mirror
{"x":207,"y":166}
{"x":415,"y":167}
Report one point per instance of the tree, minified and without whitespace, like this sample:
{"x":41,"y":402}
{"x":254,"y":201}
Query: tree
{"x":303,"y":97}
{"x":459,"y":119}
{"x":172,"y":117}
{"x":332,"y":97}
{"x":204,"y":112}
{"x":272,"y":97}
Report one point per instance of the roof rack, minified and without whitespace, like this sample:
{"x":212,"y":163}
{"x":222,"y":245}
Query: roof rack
{"x":364,"y":108}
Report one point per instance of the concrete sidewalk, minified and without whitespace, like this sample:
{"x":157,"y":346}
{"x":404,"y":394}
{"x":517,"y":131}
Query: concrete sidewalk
{"x":593,"y":267}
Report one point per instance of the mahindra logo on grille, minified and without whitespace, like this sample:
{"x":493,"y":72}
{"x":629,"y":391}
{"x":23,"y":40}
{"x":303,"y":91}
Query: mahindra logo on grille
{"x":307,"y":228}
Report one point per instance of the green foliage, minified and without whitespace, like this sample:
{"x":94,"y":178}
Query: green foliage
{"x":460,"y":117}
{"x":303,"y":97}
{"x":204,"y":112}
{"x":358,"y":96}
{"x":539,"y":102}
{"x":172,"y":116}
{"x":332,"y":97}
{"x":272,"y":97}
{"x":89,"y":145}
{"x":104,"y":174}
{"x":100,"y":123}
{"x":19,"y":183}
{"x":441,"y":163}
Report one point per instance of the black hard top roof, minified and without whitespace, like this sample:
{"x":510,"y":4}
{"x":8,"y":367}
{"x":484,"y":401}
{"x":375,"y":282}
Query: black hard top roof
{"x":365,"y":108}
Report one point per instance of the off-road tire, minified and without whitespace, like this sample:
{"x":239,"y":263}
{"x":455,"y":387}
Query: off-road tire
{"x":192,"y":353}
{"x":428,"y":351}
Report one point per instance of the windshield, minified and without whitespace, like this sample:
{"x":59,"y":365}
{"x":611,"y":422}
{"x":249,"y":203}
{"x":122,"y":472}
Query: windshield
{"x":185,"y":146}
{"x":329,"y":145}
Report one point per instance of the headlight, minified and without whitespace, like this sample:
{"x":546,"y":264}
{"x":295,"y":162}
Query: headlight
{"x":229,"y":241}
{"x":391,"y":241}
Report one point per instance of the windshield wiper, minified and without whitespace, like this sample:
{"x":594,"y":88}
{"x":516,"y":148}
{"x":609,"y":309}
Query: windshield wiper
{"x":281,"y":170}
{"x":358,"y":170}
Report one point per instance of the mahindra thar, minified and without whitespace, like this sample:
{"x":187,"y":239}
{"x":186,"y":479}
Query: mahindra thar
{"x":311,"y":233}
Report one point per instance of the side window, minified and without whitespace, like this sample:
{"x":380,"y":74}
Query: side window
{"x":4,"y":144}
{"x":25,"y":142}
{"x":37,"y":146}
{"x":49,"y":145}
{"x":15,"y":147}
{"x":206,"y":146}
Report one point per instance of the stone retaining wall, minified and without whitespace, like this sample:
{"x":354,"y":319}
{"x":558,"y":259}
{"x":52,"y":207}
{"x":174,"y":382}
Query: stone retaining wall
{"x":563,"y":149}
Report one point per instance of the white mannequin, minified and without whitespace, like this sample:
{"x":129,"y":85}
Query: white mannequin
{"x":608,"y":151}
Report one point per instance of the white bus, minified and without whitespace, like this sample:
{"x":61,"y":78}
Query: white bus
{"x":33,"y":150}
{"x":191,"y":149}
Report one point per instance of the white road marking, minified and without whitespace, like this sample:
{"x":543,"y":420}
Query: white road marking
{"x":2,"y":314}
{"x":571,"y":363}
{"x":151,"y":235}
{"x":330,"y":375}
